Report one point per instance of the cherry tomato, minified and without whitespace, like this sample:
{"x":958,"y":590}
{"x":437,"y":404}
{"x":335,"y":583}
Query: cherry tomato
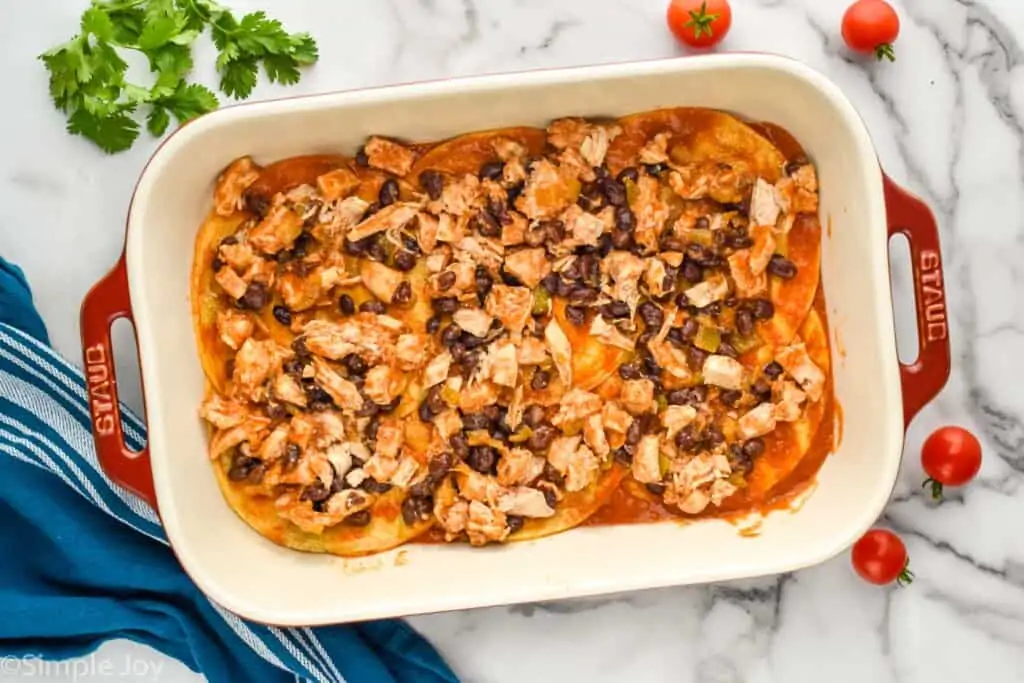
{"x":871,"y":26}
{"x":699,"y":23}
{"x":880,"y":557}
{"x":951,"y":456}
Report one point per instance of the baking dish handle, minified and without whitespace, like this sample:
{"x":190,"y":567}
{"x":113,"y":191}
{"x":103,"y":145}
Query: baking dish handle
{"x":106,"y":302}
{"x":924,"y":378}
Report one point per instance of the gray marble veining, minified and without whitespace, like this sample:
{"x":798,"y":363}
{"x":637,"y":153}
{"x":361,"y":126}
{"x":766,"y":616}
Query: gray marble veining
{"x":947,"y":119}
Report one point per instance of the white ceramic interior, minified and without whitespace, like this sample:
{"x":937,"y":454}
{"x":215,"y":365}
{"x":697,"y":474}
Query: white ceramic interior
{"x":261,"y":581}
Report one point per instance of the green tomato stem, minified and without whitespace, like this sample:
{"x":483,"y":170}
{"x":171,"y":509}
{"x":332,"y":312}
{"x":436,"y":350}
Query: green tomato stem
{"x":936,"y":488}
{"x":885,"y":51}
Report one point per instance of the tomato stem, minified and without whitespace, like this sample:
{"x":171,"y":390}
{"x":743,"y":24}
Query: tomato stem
{"x":906,"y":576}
{"x":700,"y":21}
{"x":885,"y":51}
{"x":936,"y":487}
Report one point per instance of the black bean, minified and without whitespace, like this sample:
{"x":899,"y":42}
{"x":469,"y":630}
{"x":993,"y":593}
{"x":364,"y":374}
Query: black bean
{"x":361,"y":518}
{"x":416,"y":509}
{"x":656,"y":489}
{"x":630,"y":371}
{"x":541,"y":379}
{"x":388,"y":194}
{"x":655,"y":169}
{"x":741,"y":241}
{"x":649,"y":423}
{"x":624,"y":219}
{"x":433,"y":183}
{"x":634,"y":433}
{"x":484,"y":282}
{"x":299,"y":347}
{"x":445,"y":305}
{"x":424,"y":412}
{"x":459,"y":446}
{"x":255,"y":297}
{"x":492,"y":170}
{"x":483,"y":459}
{"x":435,"y":402}
{"x":292,"y":367}
{"x":696,"y":357}
{"x":555,"y":230}
{"x":713,"y":309}
{"x":402,"y":295}
{"x":614,"y":191}
{"x":631,"y":174}
{"x":590,"y":199}
{"x":698,"y":394}
{"x":730,"y":396}
{"x":282,"y":315}
{"x":581,"y":294}
{"x":471,"y":341}
{"x":624,"y":455}
{"x":362,"y":159}
{"x":782,"y":267}
{"x":552,"y":474}
{"x":369,"y":409}
{"x":475,"y":421}
{"x":346,"y":304}
{"x":373,"y":306}
{"x":542,"y":437}
{"x":292,"y":453}
{"x":761,"y":390}
{"x":433,"y":324}
{"x":753,"y":447}
{"x":257,"y":203}
{"x":217,"y":264}
{"x":550,"y":497}
{"x":686,"y":439}
{"x":671,"y":242}
{"x":487,"y":225}
{"x":727,"y":349}
{"x":514,"y":523}
{"x":678,"y":397}
{"x":576,"y":315}
{"x":622,"y":239}
{"x":564,"y":288}
{"x":316,"y":394}
{"x":744,"y":322}
{"x":439,"y":465}
{"x":773,"y":370}
{"x":244,"y":468}
{"x":373,"y":486}
{"x":615,"y":309}
{"x":763,"y":309}
{"x":533,"y":416}
{"x":405,"y":260}
{"x":550,"y":282}
{"x":514,"y":192}
{"x":652,"y":316}
{"x":355,"y":364}
{"x":315,"y":492}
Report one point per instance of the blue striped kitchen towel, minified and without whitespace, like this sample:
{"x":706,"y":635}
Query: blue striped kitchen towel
{"x":85,"y":561}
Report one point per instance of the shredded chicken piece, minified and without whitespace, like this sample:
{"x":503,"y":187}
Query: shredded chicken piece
{"x":625,"y":270}
{"x":343,"y":392}
{"x":223,"y":413}
{"x":473,"y":320}
{"x":529,"y":266}
{"x":699,"y":482}
{"x":287,"y":389}
{"x":748,"y":285}
{"x":547,"y":192}
{"x":389,"y":219}
{"x":595,"y":146}
{"x":512,"y":306}
{"x":347,"y":502}
{"x":724,"y":183}
{"x":656,"y":277}
{"x":714,"y":288}
{"x":382,"y":281}
{"x":485,"y":524}
{"x":674,"y":418}
{"x":615,"y":419}
{"x":532,"y":351}
{"x":229,"y":195}
{"x":277,"y":231}
{"x":575,"y":461}
{"x":337,"y":184}
{"x":594,"y":435}
{"x":499,"y":364}
{"x":762,"y":249}
{"x":477,"y":396}
{"x":299,"y":293}
{"x":758,"y":421}
{"x":575,"y":406}
{"x":369,"y":335}
{"x":508,"y":149}
{"x":764,"y":209}
{"x":390,"y":156}
{"x":567,"y":132}
{"x":656,"y":150}
{"x":480,"y":251}
{"x":229,"y":281}
{"x":254,"y":363}
{"x":448,"y":424}
{"x":518,"y":467}
{"x":795,"y":360}
{"x":239,"y":255}
{"x":514,"y":231}
{"x":651,"y":212}
{"x":797,"y":194}
{"x":670,"y":359}
{"x":585,"y":228}
{"x":251,"y":430}
{"x":337,"y":218}
{"x":637,"y":396}
{"x":437,"y":369}
{"x":406,"y":472}
{"x":790,"y":402}
{"x":610,"y":335}
{"x":560,"y":349}
{"x":525,"y":502}
{"x":383,"y":384}
{"x":234,"y":327}
{"x":412,"y":351}
{"x":647,"y":461}
{"x":724,"y":372}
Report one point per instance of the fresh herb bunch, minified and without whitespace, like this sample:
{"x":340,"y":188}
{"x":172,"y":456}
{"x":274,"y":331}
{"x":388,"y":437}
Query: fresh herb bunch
{"x":87,"y":74}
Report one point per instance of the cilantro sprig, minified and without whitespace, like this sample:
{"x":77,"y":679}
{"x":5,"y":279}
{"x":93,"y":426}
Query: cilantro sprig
{"x":88,"y":73}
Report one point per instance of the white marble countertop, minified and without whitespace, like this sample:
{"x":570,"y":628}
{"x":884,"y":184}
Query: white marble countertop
{"x":948,"y":122}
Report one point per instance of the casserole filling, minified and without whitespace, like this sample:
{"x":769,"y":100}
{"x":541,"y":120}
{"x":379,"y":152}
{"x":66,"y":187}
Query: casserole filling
{"x":494,"y":335}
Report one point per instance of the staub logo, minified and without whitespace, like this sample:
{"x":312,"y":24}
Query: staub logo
{"x":933,"y":299}
{"x":99,"y":375}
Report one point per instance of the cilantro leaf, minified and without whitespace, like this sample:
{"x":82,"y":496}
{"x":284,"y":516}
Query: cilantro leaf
{"x":157,"y":121}
{"x":114,"y":133}
{"x":158,"y":32}
{"x":190,"y":101}
{"x":304,"y":49}
{"x":98,"y":23}
{"x":281,"y":69}
{"x":238,"y":78}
